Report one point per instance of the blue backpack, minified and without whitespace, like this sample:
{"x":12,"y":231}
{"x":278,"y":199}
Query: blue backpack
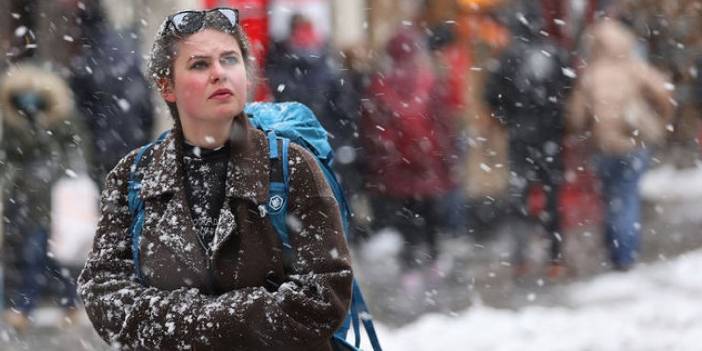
{"x":282,"y":123}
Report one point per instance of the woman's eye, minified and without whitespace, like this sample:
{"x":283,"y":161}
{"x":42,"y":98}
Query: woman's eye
{"x":198,"y":65}
{"x":229,"y":60}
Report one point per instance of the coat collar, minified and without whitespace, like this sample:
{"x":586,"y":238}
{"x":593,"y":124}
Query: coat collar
{"x":159,"y":175}
{"x":248,"y":171}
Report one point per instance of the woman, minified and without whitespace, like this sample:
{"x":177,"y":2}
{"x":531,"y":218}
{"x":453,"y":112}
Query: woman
{"x":213,"y":276}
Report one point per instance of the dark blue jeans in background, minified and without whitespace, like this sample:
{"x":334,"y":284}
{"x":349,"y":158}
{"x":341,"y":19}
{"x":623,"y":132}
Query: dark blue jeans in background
{"x":36,"y":265}
{"x":620,"y":176}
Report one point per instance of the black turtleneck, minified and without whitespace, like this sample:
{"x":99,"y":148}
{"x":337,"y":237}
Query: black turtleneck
{"x":205,"y":178}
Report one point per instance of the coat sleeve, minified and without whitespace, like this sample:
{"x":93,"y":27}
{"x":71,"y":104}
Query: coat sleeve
{"x":655,"y":91}
{"x":322,"y":270}
{"x":302,"y":313}
{"x":126,"y":314}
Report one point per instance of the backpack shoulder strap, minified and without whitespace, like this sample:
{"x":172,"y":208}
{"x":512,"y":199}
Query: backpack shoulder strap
{"x":277,"y":210}
{"x":359,"y":311}
{"x":136,"y":203}
{"x":277,"y":206}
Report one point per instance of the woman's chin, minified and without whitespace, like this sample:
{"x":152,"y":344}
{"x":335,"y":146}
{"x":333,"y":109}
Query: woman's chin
{"x":215,"y":114}
{"x":224,"y":114}
{"x":229,"y":111}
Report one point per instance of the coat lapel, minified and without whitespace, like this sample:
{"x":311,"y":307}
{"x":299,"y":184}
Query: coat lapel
{"x":226,"y":226}
{"x":176,"y":232}
{"x":160,"y":174}
{"x":248,"y":172}
{"x":174,"y":229}
{"x":248,"y":177}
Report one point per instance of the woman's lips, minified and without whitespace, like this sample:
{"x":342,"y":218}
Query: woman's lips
{"x":221,"y":94}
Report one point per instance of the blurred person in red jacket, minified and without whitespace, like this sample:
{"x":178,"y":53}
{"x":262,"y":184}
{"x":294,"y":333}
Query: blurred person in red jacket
{"x":407,"y":173}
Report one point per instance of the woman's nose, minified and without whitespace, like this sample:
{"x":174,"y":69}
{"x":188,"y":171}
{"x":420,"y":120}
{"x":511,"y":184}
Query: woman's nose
{"x":217,"y":72}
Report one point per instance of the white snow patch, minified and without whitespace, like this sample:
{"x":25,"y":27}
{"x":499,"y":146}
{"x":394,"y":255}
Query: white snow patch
{"x":653,"y":307}
{"x":666,"y":183}
{"x":568,"y":72}
{"x":124,"y":105}
{"x":21,"y":31}
{"x":383,"y":244}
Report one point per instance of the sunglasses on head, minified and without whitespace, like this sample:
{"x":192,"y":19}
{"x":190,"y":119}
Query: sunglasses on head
{"x":188,"y":22}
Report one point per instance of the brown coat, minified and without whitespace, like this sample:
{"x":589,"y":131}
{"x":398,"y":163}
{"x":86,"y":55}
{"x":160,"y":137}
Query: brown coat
{"x":222,"y":302}
{"x":619,"y":97}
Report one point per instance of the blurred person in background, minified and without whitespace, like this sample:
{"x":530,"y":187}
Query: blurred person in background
{"x":407,"y":174}
{"x":623,"y":104}
{"x":527,"y":92}
{"x":451,"y":64}
{"x":301,"y":69}
{"x":42,"y":139}
{"x":483,"y":170}
{"x":669,"y":32}
{"x":355,"y":78}
{"x":111,"y":93}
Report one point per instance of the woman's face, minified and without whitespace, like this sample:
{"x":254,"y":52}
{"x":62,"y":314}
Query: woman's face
{"x":209,"y":78}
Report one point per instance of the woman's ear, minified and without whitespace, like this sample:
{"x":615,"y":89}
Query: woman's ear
{"x":165,"y":86}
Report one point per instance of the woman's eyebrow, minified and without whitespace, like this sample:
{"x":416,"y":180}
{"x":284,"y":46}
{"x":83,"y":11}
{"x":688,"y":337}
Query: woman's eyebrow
{"x":199,"y":57}
{"x":230,"y":52}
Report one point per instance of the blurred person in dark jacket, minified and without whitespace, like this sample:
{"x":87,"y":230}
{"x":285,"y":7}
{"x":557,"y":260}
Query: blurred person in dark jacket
{"x":527,"y":92}
{"x":42,"y":140}
{"x":301,"y":68}
{"x":353,"y":83}
{"x":111,"y":92}
{"x":622,"y":102}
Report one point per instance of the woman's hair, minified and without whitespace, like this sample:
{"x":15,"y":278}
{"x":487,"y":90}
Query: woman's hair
{"x":164,"y":50}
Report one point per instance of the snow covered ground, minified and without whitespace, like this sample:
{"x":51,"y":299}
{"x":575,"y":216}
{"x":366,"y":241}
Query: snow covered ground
{"x":665,"y":183}
{"x":653,"y":307}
